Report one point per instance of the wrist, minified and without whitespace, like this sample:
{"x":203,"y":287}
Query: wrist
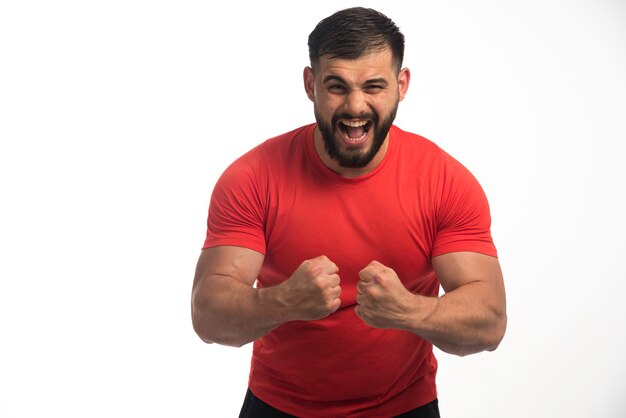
{"x":420,"y":313}
{"x":272,"y":301}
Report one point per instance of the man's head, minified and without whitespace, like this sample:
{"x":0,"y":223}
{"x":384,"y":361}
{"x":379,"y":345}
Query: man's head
{"x":352,"y":33}
{"x":355,"y":82}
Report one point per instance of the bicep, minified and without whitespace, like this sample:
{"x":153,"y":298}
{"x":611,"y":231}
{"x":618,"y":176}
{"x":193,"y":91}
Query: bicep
{"x":463,"y":219}
{"x":458,"y":269}
{"x":242,"y":264}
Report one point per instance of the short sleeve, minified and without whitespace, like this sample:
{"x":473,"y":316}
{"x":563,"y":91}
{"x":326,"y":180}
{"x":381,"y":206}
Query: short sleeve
{"x":237,"y":210}
{"x":463,"y":215}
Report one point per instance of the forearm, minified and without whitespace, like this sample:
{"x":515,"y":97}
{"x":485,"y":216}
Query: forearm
{"x":227,"y":309}
{"x":460,"y":322}
{"x":228,"y":312}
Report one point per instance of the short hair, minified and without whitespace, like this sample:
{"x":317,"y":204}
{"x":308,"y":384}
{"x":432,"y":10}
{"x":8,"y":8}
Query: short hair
{"x":353,"y":33}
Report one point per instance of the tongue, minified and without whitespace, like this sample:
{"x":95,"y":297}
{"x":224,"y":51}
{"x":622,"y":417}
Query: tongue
{"x":355,"y":132}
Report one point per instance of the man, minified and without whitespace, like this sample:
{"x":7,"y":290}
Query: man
{"x":348,"y":227}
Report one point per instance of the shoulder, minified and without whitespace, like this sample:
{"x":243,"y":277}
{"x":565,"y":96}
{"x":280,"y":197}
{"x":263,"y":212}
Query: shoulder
{"x":275,"y":151}
{"x":422,"y":154}
{"x":413,"y":140}
{"x":432,"y":165}
{"x":288,"y":140}
{"x":272,"y":154}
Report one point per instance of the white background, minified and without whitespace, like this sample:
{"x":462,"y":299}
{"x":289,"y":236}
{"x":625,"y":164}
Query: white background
{"x":117,"y":117}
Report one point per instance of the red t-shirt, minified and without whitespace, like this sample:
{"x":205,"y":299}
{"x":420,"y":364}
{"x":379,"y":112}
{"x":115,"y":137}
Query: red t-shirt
{"x":281,"y":200}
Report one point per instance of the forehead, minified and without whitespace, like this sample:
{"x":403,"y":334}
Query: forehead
{"x":378,"y":64}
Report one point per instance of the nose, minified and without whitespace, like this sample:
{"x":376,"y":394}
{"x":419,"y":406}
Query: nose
{"x":355,"y":102}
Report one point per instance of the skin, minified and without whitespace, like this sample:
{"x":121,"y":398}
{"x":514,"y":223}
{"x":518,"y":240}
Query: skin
{"x":469,"y":318}
{"x":369,"y":84}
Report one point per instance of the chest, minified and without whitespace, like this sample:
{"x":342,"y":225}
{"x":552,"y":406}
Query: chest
{"x":390,"y":220}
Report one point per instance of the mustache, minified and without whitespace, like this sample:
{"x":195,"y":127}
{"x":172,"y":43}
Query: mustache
{"x":344,"y":115}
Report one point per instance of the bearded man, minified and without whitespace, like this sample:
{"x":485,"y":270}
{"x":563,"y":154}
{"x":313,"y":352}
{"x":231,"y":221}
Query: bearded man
{"x":327,"y":246}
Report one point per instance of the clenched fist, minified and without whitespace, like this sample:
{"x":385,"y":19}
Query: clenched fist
{"x":382,"y":299}
{"x":312,"y":291}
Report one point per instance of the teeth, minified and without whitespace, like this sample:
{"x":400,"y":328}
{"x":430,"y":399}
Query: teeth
{"x":354,"y":124}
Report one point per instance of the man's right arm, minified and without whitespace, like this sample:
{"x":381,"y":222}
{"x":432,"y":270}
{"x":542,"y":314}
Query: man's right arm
{"x":227,"y":309}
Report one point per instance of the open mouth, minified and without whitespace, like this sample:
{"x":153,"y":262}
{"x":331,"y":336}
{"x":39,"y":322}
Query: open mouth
{"x":354,"y":131}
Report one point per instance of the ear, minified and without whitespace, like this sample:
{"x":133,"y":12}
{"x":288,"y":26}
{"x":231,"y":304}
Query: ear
{"x":404,"y":78}
{"x":309,"y":83}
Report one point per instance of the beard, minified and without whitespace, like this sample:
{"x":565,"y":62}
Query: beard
{"x":354,"y":157}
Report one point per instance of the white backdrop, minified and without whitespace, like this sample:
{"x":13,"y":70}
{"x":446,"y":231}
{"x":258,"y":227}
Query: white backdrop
{"x":117,"y":117}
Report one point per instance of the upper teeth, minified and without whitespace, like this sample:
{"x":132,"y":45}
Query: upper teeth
{"x":354,"y":124}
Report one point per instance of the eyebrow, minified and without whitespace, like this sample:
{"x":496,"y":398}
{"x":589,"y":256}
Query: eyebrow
{"x":377,"y":81}
{"x":341,"y":80}
{"x":334,"y":78}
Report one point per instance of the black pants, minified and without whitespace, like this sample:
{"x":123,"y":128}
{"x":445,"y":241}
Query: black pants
{"x":253,"y":407}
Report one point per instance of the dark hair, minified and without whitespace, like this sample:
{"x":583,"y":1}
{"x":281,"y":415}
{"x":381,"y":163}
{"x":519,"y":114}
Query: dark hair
{"x":353,"y":33}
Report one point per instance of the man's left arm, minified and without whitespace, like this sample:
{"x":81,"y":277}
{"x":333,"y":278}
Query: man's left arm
{"x":470,"y":317}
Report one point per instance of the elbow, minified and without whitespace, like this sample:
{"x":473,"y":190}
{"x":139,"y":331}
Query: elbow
{"x":209,"y":335}
{"x":498,"y":333}
{"x":201,"y":330}
{"x":204,"y":338}
{"x":225,"y":341}
{"x":485,"y":341}
{"x":207,"y":323}
{"x":221,"y":341}
{"x":201,"y":324}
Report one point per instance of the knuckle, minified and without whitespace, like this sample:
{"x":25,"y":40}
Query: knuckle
{"x":312,"y":270}
{"x":322,"y":258}
{"x":331,"y":305}
{"x":306,"y":266}
{"x":319,"y":282}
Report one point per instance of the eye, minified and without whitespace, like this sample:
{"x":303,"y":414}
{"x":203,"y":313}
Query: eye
{"x":336,"y":88}
{"x":373,"y":88}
